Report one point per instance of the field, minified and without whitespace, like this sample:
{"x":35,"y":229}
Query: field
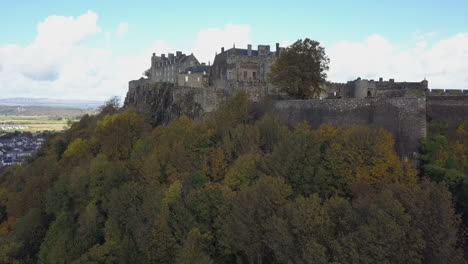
{"x":35,"y":111}
{"x":32,"y":123}
{"x":38,"y":118}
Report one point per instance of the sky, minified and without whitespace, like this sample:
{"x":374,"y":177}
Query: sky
{"x":90,"y":49}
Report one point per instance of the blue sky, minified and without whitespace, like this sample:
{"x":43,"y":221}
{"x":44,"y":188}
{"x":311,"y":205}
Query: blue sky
{"x":327,"y":21}
{"x":408,"y":31}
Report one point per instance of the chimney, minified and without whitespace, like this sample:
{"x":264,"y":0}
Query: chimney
{"x":178,"y":53}
{"x":391,"y":80}
{"x":263,"y":50}
{"x":249,"y":50}
{"x":154,"y":54}
{"x":171,"y":56}
{"x":380,"y":79}
{"x":277,"y":47}
{"x":222,"y":49}
{"x":163,"y":56}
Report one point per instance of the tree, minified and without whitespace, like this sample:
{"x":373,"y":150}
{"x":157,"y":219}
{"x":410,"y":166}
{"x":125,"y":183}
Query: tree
{"x":245,"y":226}
{"x":301,"y":69}
{"x":367,"y":155}
{"x":242,"y":172}
{"x":192,"y":250}
{"x":110,"y":105}
{"x":77,"y":149}
{"x":119,"y":133}
{"x":298,"y":160}
{"x":237,"y":110}
{"x":430,"y":208}
{"x":301,"y":231}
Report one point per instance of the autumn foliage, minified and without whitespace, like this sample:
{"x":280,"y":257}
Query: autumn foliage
{"x":240,"y":186}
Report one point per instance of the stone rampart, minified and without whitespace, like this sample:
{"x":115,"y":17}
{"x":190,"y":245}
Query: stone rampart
{"x":451,"y":109}
{"x":404,"y":117}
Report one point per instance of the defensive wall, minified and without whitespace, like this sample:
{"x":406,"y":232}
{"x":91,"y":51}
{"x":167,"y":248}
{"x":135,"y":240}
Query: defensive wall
{"x":405,"y":118}
{"x":447,"y":108}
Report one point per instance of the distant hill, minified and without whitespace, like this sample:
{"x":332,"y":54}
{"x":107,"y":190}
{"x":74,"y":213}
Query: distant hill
{"x":22,"y":101}
{"x":50,"y":111}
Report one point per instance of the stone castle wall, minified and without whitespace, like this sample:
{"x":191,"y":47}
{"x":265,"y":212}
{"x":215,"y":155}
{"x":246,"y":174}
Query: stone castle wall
{"x":405,"y":118}
{"x":451,"y":109}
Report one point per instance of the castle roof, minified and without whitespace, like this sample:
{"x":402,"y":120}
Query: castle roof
{"x":196,"y":69}
{"x":241,"y":52}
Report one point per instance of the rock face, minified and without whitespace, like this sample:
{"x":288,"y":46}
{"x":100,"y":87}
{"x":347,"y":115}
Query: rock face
{"x":163,"y":102}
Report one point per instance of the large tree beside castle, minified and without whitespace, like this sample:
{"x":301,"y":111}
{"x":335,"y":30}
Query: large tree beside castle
{"x":301,"y":69}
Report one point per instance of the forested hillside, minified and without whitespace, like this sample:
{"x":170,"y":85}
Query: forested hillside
{"x":239,"y":186}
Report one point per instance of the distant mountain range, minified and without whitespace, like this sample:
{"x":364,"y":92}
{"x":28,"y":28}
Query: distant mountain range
{"x":22,"y":101}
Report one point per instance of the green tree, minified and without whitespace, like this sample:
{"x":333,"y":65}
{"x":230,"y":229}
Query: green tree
{"x":159,"y":245}
{"x":381,"y":233}
{"x":58,"y":243}
{"x":244,"y":171}
{"x":430,"y":207}
{"x":301,"y":69}
{"x":118,"y":133}
{"x":271,"y":131}
{"x":245,"y":226}
{"x":298,"y":160}
{"x":301,"y":232}
{"x":179,"y":150}
{"x":78,"y":149}
{"x":237,"y":110}
{"x":192,"y":250}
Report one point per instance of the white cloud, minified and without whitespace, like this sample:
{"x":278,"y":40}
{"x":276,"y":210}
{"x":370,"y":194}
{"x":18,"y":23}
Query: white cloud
{"x":210,"y":40}
{"x":444,"y":63}
{"x":57,"y":64}
{"x":286,"y":43}
{"x":60,"y":30}
{"x":122,"y":29}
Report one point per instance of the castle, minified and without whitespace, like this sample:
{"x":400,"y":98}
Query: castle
{"x":180,"y":85}
{"x":247,"y":69}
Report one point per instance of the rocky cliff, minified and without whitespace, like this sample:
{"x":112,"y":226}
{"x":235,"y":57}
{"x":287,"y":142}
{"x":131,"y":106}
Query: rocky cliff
{"x":163,"y":102}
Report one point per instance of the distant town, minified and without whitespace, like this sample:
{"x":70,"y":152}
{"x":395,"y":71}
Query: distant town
{"x":13,"y":127}
{"x":16,"y":147}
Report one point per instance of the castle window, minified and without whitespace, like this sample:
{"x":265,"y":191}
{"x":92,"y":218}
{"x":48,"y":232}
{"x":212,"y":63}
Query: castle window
{"x":229,"y":75}
{"x":245,"y":75}
{"x":198,"y":79}
{"x":254,"y":75}
{"x":186,"y":78}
